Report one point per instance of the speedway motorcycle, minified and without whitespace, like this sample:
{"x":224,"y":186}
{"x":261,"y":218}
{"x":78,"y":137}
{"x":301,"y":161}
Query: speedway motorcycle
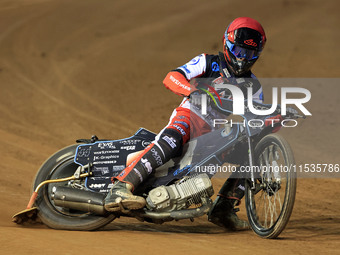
{"x":70,"y":186}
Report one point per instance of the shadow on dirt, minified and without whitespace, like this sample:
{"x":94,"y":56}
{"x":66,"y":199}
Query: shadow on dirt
{"x":305,"y":228}
{"x":176,"y":227}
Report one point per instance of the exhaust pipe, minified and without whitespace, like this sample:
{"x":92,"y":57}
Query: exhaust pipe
{"x":81,"y":200}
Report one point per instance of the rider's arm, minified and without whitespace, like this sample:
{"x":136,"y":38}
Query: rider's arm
{"x":177,"y":83}
{"x":178,"y":80}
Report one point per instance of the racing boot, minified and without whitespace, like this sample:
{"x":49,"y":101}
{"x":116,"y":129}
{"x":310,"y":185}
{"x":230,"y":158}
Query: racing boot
{"x":224,"y":215}
{"x":120,"y":197}
{"x":223,"y":211}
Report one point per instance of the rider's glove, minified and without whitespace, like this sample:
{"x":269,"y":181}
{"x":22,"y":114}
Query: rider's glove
{"x":195,"y":98}
{"x":275,"y":122}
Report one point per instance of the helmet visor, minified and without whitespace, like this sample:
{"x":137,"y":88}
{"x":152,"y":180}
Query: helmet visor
{"x":240,"y":52}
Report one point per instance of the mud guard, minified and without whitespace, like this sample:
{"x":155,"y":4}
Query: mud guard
{"x":109,"y":158}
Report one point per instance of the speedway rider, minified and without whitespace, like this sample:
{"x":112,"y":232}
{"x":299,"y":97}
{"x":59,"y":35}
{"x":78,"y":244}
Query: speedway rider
{"x":243,"y":41}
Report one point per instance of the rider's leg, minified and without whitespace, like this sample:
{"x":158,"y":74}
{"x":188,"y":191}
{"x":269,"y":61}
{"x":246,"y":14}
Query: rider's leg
{"x":166,"y":146}
{"x":153,"y":156}
{"x":223,"y":212}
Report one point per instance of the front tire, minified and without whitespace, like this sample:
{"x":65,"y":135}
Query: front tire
{"x":270,"y":204}
{"x":61,"y":165}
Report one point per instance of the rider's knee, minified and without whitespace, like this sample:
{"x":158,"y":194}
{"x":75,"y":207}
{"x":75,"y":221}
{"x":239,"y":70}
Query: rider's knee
{"x":171,"y":142}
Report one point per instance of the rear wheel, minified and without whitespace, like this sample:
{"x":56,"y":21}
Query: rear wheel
{"x":270,"y":204}
{"x":58,"y":166}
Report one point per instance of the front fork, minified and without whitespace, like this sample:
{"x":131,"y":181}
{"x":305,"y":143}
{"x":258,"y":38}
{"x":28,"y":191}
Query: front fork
{"x":251,"y":162}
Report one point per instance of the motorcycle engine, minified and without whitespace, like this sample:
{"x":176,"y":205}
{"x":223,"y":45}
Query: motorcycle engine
{"x":186,"y":192}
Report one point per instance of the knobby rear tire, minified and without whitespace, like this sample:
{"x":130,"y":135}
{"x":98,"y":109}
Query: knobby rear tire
{"x":61,"y":165}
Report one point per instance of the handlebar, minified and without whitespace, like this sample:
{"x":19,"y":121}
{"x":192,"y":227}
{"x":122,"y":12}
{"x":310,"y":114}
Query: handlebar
{"x":294,"y":114}
{"x":226,"y":106}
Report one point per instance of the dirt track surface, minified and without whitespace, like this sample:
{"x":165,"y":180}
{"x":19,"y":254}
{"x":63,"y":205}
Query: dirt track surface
{"x":70,"y":69}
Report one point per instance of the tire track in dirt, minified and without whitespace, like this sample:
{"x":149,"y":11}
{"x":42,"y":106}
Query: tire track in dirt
{"x":52,"y":74}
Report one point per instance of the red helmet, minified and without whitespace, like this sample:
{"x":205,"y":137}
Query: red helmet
{"x":243,"y":42}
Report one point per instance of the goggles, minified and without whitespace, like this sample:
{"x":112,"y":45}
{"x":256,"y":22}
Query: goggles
{"x":240,"y":52}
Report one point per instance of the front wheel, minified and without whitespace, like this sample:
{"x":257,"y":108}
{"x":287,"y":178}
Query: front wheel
{"x":61,"y":165}
{"x":270,"y":203}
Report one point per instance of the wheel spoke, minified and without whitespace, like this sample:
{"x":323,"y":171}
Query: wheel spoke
{"x":273,"y":203}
